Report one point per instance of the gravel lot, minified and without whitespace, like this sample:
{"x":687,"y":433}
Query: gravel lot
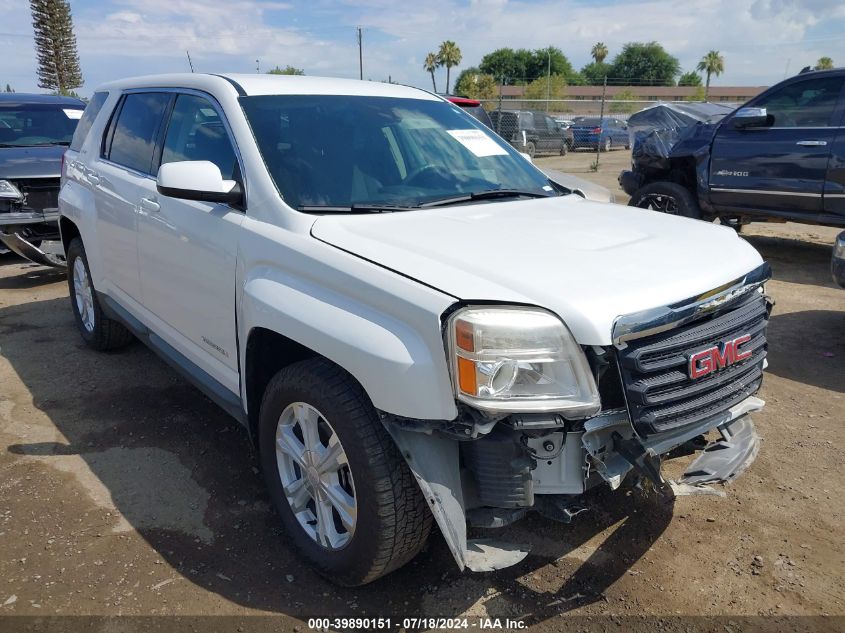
{"x":123,"y":491}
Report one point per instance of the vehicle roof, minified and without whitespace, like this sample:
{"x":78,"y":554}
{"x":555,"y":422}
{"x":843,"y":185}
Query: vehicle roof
{"x":7,"y":98}
{"x":255,"y":84}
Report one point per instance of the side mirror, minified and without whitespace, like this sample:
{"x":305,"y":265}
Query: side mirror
{"x":197,"y":180}
{"x":524,"y":139}
{"x":750,"y":117}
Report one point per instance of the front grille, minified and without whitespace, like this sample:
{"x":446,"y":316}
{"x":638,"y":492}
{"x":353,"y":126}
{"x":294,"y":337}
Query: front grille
{"x":40,"y":194}
{"x":660,"y":393}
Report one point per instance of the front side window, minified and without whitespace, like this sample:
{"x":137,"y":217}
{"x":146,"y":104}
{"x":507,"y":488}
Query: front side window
{"x":810,"y":103}
{"x":37,"y":124}
{"x":133,"y":139}
{"x":196,"y":132}
{"x":341,"y":151}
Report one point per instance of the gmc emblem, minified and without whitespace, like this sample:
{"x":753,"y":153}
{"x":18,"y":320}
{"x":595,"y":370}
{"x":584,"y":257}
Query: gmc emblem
{"x":718,"y":357}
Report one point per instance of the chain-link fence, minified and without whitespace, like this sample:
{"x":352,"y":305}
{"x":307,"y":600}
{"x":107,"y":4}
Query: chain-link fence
{"x":569,"y":108}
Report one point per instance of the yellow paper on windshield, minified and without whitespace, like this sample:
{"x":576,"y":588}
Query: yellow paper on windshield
{"x":478,"y":143}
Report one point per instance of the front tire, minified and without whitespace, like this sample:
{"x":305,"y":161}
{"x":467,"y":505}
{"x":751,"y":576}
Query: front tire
{"x":98,"y":331}
{"x":530,"y":148}
{"x":667,"y":197}
{"x":346,"y":497}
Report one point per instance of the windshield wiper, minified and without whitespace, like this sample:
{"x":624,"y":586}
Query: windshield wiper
{"x":485,"y":195}
{"x":358,"y":207}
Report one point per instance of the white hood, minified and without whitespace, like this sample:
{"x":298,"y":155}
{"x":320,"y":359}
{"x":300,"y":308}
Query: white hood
{"x":587,"y":262}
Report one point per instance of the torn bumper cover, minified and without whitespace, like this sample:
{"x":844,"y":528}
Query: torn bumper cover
{"x":615,"y":450}
{"x":608,"y":446}
{"x":33,"y":235}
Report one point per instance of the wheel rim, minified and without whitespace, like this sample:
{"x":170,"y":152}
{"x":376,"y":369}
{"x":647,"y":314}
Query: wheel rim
{"x":316,"y":477}
{"x":83,"y":294}
{"x":659,"y":202}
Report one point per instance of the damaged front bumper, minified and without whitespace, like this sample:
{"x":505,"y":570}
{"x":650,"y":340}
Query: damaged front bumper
{"x":34,"y":236}
{"x":562,"y":465}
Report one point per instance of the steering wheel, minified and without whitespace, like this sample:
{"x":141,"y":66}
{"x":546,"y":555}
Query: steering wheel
{"x":419,"y":172}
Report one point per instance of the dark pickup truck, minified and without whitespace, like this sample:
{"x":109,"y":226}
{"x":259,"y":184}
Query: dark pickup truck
{"x":779,"y":157}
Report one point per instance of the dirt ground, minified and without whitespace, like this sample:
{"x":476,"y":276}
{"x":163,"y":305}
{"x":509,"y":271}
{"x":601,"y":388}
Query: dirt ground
{"x":123,"y":491}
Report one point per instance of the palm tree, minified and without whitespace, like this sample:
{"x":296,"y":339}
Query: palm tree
{"x":430,"y":64}
{"x":599,"y":52}
{"x":712,"y":64}
{"x":449,"y":55}
{"x":824,"y":63}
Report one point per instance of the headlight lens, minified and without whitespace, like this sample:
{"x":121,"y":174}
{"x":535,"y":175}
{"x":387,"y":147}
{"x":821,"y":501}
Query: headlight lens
{"x":513,"y":359}
{"x":8,"y":190}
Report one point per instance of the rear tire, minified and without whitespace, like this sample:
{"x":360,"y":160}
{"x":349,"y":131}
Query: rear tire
{"x":607,"y":145}
{"x":667,"y":197}
{"x":98,"y":331}
{"x":530,"y":149}
{"x":379,"y":520}
{"x":564,"y":148}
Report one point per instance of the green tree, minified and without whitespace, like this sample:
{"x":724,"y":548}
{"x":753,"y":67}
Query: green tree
{"x":430,"y":64}
{"x":542,"y":58}
{"x":287,"y":70}
{"x":824,"y":63}
{"x":55,"y":46}
{"x":554,"y":87}
{"x":506,"y":65}
{"x":476,"y":86}
{"x":449,"y":56}
{"x":644,"y":64}
{"x":595,"y":72}
{"x":712,"y":64}
{"x":698,"y":95}
{"x":691,"y":78}
{"x":599,"y":52}
{"x":622,"y":102}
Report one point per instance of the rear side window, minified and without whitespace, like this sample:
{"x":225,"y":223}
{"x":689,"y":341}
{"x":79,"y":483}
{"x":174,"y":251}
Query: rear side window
{"x":87,"y":120}
{"x":134,"y":135}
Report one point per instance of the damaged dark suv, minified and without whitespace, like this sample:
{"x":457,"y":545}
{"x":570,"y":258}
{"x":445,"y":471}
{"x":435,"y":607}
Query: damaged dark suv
{"x":779,"y":157}
{"x":35,"y":131}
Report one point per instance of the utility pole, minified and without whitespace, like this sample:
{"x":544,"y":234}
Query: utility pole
{"x":190,"y":63}
{"x":257,"y":66}
{"x":360,"y":57}
{"x":601,"y":120}
{"x":549,"y":79}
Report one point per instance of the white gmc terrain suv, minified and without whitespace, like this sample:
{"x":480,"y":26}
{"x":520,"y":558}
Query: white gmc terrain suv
{"x":414,"y":324}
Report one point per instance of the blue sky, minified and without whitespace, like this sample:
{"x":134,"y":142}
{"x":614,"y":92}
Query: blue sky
{"x":761,"y":40}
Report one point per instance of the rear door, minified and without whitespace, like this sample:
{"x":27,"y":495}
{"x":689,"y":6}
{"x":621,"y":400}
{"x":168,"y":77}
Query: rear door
{"x":779,"y":168}
{"x":834,"y":189}
{"x":188,"y":249}
{"x":123,"y":177}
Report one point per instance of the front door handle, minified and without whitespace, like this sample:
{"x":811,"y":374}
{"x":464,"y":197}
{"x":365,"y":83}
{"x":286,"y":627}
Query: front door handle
{"x":92,"y":178}
{"x":150,"y":205}
{"x":812,"y":143}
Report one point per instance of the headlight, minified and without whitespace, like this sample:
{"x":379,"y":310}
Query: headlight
{"x":512,"y":359}
{"x":8,"y":190}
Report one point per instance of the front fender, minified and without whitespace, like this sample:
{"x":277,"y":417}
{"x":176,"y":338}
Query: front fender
{"x":397,"y":358}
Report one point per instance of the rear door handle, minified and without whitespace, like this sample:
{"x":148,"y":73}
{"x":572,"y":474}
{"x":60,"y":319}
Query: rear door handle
{"x":812,"y":143}
{"x":93,"y":178}
{"x":150,"y":205}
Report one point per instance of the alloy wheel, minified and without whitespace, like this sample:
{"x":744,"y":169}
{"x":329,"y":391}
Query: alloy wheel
{"x":659,"y":202}
{"x":315,"y":475}
{"x":83,"y":294}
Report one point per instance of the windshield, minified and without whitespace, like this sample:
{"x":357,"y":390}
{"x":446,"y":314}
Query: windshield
{"x":30,"y":124}
{"x":342,"y":152}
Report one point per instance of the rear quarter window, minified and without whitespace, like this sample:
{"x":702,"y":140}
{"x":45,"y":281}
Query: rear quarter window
{"x":87,"y":120}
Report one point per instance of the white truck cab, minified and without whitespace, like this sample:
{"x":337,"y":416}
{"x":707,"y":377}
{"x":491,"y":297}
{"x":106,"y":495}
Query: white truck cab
{"x":414,"y":323}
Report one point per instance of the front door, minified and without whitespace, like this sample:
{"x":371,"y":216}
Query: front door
{"x":188,"y":249}
{"x":781,"y":167}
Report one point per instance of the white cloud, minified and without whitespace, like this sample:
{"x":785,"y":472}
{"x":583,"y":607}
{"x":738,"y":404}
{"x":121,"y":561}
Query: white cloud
{"x":758,"y":38}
